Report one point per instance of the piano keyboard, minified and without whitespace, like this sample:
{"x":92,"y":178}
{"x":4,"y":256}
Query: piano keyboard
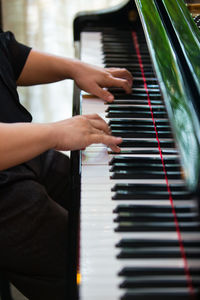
{"x":139,"y":224}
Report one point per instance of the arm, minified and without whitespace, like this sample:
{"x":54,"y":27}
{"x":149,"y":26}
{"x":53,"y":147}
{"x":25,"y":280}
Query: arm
{"x":21,"y":142}
{"x":44,"y":68}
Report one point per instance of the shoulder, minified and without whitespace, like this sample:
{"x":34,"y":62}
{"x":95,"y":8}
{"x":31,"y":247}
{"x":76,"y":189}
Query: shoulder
{"x":6,"y":40}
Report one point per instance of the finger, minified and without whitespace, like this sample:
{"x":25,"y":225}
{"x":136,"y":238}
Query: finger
{"x":106,"y":139}
{"x":121,"y":83}
{"x":97,"y":131}
{"x":100,"y":125}
{"x":98,"y":122}
{"x":115,"y":148}
{"x":103,"y":94}
{"x":121,"y":73}
{"x":93,"y":116}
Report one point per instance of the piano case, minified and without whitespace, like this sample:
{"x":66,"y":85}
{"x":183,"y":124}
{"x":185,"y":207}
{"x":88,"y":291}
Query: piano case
{"x":137,"y":225}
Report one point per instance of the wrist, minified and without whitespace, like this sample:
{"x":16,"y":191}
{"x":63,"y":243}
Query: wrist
{"x":74,"y":68}
{"x":49,"y":136}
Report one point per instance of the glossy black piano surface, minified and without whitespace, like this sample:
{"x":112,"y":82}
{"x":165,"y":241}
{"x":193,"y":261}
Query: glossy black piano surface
{"x":153,"y":196}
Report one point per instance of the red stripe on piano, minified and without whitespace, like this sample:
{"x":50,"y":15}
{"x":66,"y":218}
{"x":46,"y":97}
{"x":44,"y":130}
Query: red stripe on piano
{"x":182,"y":250}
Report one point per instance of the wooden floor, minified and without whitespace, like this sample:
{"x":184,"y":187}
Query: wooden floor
{"x":46,"y":25}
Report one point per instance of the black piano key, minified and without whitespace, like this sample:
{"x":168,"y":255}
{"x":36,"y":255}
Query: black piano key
{"x":146,"y":67}
{"x":150,"y":160}
{"x":119,"y":39}
{"x":137,"y":127}
{"x":147,"y":191}
{"x":118,"y":46}
{"x":132,"y":127}
{"x":138,"y":73}
{"x":146,"y":144}
{"x":149,"y":187}
{"x":144,"y":151}
{"x":132,"y":161}
{"x":135,"y":102}
{"x":158,"y":217}
{"x":152,"y":208}
{"x":145,"y":134}
{"x":158,"y":252}
{"x":154,"y":195}
{"x":114,"y":107}
{"x":143,"y":166}
{"x":135,"y":122}
{"x":135,"y":95}
{"x":124,"y":58}
{"x":135,"y":89}
{"x":126,"y":55}
{"x":118,"y":160}
{"x":141,"y":128}
{"x":135,"y":114}
{"x":145,"y":174}
{"x":107,"y":51}
{"x":165,"y":294}
{"x":158,"y":281}
{"x":121,"y":50}
{"x":146,"y":123}
{"x":156,"y":226}
{"x":137,"y":85}
{"x":153,"y":271}
{"x":132,"y":242}
{"x":108,"y":39}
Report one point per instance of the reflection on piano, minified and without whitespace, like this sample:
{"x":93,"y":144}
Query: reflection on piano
{"x":139,"y":210}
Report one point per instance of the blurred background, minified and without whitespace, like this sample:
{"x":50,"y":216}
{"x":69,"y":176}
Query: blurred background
{"x":46,"y":25}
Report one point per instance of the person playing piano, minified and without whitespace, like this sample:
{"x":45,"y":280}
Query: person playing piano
{"x":34,"y":177}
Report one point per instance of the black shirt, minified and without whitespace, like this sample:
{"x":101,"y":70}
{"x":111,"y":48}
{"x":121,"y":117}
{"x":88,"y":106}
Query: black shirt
{"x":13,"y":56}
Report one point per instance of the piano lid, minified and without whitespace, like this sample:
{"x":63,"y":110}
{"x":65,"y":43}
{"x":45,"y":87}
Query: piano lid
{"x":188,"y":36}
{"x":179,"y":96}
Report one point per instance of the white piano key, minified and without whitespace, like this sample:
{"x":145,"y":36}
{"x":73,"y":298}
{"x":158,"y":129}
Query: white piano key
{"x":98,"y":263}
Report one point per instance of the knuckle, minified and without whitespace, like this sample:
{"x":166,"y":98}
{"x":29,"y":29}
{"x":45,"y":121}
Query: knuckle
{"x":96,"y":116}
{"x":108,"y":76}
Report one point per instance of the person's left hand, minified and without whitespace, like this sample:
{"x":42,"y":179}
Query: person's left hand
{"x":93,"y":80}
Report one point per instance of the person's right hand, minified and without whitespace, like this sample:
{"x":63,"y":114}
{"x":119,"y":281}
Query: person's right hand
{"x":81,"y":131}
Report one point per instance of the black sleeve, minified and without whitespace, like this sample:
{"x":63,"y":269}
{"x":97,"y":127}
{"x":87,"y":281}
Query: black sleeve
{"x":17,"y":53}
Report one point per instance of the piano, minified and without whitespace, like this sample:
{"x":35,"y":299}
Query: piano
{"x":137,"y":212}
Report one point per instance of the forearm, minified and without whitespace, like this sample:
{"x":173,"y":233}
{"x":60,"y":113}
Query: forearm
{"x":21,"y":142}
{"x":41,"y":68}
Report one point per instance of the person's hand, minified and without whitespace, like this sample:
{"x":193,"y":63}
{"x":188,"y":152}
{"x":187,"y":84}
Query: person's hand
{"x":93,"y":79}
{"x":80,"y":131}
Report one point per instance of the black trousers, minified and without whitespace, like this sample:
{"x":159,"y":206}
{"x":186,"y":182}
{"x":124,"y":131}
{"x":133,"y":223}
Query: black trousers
{"x":34,"y":203}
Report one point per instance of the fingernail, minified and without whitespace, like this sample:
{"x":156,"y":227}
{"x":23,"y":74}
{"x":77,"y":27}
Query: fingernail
{"x":110,"y":98}
{"x":119,"y":139}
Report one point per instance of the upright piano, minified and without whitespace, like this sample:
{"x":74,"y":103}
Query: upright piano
{"x":138,"y":227}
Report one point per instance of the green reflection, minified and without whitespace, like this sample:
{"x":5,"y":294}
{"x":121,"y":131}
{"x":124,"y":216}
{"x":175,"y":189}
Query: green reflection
{"x":188,"y":35}
{"x":177,"y":97}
